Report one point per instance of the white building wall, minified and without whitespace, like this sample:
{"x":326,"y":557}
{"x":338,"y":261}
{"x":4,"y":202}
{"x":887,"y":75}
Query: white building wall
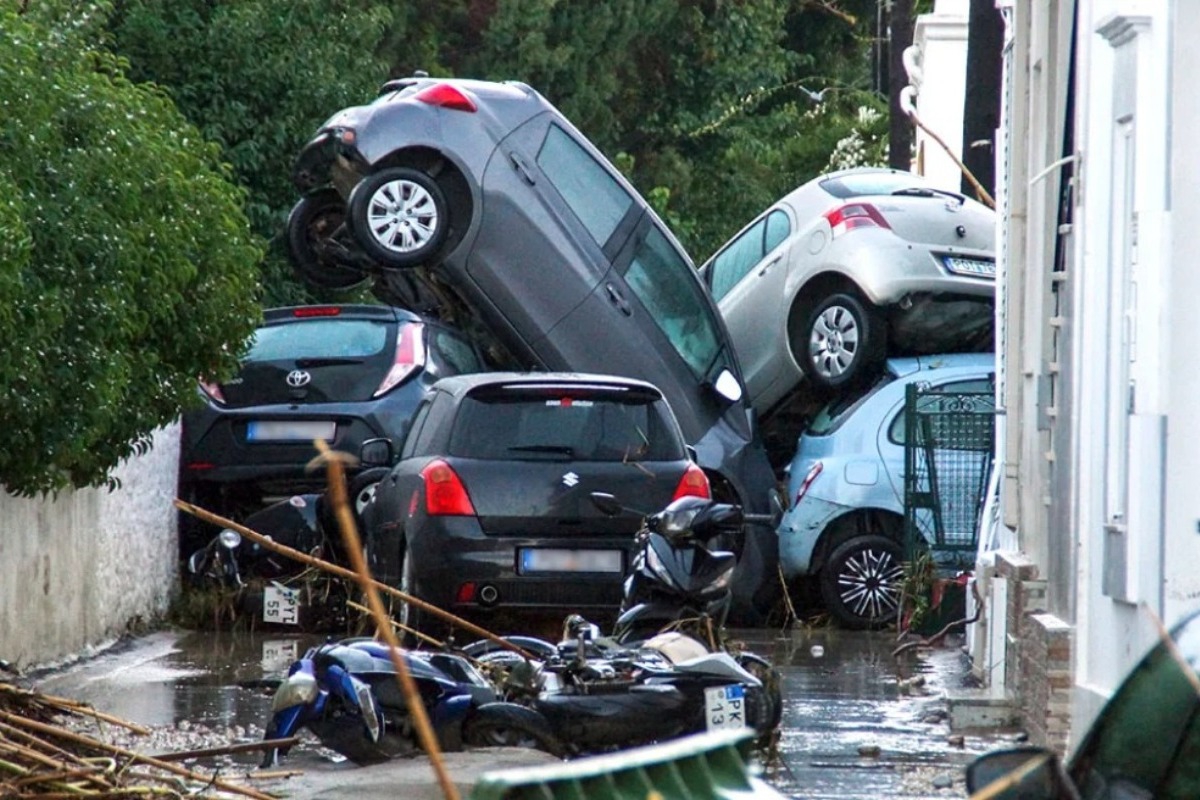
{"x":79,"y":569}
{"x":941,"y":40}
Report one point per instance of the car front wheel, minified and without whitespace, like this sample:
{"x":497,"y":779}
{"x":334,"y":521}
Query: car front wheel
{"x":843,"y":341}
{"x":861,"y":582}
{"x":399,"y":216}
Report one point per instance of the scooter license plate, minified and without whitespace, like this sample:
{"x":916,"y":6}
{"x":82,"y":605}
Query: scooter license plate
{"x":725,"y":707}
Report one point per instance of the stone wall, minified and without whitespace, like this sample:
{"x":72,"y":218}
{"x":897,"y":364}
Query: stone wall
{"x":79,"y":569}
{"x":1038,"y":654}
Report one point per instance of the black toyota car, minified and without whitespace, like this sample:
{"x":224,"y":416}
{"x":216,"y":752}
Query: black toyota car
{"x":481,"y":203}
{"x":341,"y":373}
{"x":488,"y":509}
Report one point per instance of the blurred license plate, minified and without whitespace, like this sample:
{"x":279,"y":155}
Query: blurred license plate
{"x":725,"y":707}
{"x":556,"y":560}
{"x":290,"y":430}
{"x":970,"y":266}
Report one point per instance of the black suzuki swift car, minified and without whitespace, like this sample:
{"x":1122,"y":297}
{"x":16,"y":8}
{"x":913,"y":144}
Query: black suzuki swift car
{"x":342,"y":373}
{"x":489,"y":509}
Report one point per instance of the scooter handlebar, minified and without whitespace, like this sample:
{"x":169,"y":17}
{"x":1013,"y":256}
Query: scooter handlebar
{"x":758,"y":519}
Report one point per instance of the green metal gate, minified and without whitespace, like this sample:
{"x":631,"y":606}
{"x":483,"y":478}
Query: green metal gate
{"x":948,"y":449}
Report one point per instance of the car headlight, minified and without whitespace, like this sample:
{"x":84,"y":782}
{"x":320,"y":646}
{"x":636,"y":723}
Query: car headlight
{"x":297,"y":689}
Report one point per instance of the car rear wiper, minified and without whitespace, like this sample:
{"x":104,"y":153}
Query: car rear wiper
{"x":558,"y":449}
{"x":325,"y":362}
{"x":925,"y":191}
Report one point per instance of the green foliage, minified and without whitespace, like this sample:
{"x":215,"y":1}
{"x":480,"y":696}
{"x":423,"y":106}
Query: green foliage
{"x":126,"y":263}
{"x":258,"y":77}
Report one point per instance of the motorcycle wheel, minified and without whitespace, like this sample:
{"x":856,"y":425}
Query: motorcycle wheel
{"x":345,"y":734}
{"x":772,"y":694}
{"x":511,"y":725}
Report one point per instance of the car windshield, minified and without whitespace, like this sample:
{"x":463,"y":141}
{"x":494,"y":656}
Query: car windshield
{"x":872,"y":183}
{"x":1149,"y":733}
{"x":563,"y":425}
{"x":318,"y":338}
{"x":675,"y":300}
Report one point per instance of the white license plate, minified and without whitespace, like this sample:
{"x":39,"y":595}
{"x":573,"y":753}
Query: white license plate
{"x":970,"y":266}
{"x":725,"y":707}
{"x":277,"y":430}
{"x":545,"y":559}
{"x":278,"y":655}
{"x":281,"y":605}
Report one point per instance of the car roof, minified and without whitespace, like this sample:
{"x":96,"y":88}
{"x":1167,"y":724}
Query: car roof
{"x":462,"y":384}
{"x":903,"y":367}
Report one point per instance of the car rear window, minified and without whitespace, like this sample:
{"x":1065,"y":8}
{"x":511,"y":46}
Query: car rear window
{"x":318,"y":338}
{"x":561,"y":425}
{"x":832,"y":415}
{"x":871,"y":183}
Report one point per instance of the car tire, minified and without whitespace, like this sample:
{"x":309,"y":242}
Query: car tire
{"x":861,"y":582}
{"x":842,"y":341}
{"x":410,"y":616}
{"x":399,"y":217}
{"x":312,"y":228}
{"x":361,"y":491}
{"x":509,"y":725}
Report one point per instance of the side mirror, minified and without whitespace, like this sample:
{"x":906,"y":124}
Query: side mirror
{"x":376,"y":453}
{"x":606,"y":503}
{"x":728,"y":386}
{"x":1020,"y":773}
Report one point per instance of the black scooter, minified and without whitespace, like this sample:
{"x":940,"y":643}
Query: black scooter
{"x":676,"y":581}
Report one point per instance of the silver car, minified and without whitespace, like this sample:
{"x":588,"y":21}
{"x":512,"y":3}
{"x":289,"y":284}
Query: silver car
{"x":845,"y":520}
{"x":848,"y":269}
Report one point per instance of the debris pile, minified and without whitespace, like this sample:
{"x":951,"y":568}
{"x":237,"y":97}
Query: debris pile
{"x":40,"y":757}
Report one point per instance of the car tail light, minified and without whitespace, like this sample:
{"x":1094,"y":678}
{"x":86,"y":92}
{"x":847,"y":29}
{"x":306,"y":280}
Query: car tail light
{"x":316,"y":311}
{"x":444,"y":95}
{"x":213,"y":390}
{"x":694,"y":483}
{"x":445,"y":494}
{"x":410,"y":356}
{"x":466,"y":593}
{"x":854,"y":215}
{"x":808,"y":479}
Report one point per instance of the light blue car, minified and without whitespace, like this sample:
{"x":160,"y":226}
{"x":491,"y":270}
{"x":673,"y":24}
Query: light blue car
{"x":845,"y":519}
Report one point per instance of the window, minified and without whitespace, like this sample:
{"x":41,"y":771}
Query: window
{"x":732,"y":264}
{"x":455,"y":351}
{"x":667,"y":287}
{"x":414,"y":430}
{"x":872,"y":183}
{"x":831,"y":416}
{"x":739,"y":257}
{"x":595,"y":196}
{"x":563,"y":424}
{"x":318,"y":338}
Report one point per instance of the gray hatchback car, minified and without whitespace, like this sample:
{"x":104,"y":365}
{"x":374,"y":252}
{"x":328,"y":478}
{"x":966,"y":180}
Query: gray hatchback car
{"x":481,"y":203}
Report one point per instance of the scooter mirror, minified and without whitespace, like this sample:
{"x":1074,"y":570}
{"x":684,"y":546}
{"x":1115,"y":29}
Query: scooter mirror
{"x":606,"y":503}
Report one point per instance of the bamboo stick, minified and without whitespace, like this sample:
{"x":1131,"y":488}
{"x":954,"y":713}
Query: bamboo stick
{"x":62,"y":733}
{"x":412,"y":697}
{"x":229,"y":749}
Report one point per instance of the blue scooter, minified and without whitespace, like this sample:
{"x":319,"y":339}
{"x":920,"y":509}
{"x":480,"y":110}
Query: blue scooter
{"x":347,"y":694}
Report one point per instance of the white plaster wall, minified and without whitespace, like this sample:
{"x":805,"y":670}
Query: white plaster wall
{"x":941,"y":38}
{"x":77,"y":569}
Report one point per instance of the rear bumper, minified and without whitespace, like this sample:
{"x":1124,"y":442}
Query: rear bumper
{"x":452,"y":554}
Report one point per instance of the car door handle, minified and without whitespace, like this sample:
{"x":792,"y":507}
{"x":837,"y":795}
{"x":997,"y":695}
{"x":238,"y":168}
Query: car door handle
{"x":617,"y":300}
{"x":768,"y":265}
{"x":522,"y":168}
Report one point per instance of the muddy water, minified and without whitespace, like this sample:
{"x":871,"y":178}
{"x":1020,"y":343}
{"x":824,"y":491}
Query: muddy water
{"x":857,"y":723}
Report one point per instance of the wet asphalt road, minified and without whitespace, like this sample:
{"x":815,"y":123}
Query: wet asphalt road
{"x":856,"y":723}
